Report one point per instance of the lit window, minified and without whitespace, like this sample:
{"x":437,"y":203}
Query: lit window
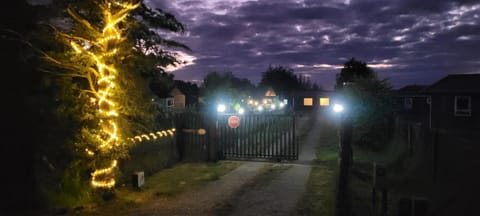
{"x":324,"y":101}
{"x":463,"y":106}
{"x":407,"y":103}
{"x":307,"y":101}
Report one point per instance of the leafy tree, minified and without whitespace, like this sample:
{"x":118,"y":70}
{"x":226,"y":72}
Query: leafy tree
{"x":190,"y":89}
{"x":225,"y":87}
{"x":66,"y":97}
{"x":370,"y":104}
{"x":284,"y":81}
{"x":353,"y":69}
{"x":281,"y":79}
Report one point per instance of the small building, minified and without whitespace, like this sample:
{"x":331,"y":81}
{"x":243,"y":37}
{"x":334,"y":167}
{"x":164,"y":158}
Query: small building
{"x":455,"y":103}
{"x":307,"y":100}
{"x":173,"y":101}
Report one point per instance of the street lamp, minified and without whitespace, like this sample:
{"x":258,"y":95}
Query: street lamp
{"x":343,"y":205}
{"x":338,"y":108}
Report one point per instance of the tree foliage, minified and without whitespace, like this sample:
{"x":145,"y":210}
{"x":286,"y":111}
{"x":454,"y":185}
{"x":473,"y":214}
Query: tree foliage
{"x":352,"y":70}
{"x":225,"y":86}
{"x":370,"y":104}
{"x":63,"y":85}
{"x":284,"y":81}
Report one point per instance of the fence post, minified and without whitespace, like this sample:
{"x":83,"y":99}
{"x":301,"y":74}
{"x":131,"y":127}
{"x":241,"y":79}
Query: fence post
{"x":179,"y":137}
{"x":343,"y":199}
{"x":210,"y":122}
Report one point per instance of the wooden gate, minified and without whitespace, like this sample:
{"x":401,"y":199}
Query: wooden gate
{"x":257,"y":136}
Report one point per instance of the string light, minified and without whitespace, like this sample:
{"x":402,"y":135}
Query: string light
{"x":104,"y":172}
{"x":147,"y":137}
{"x":105,"y":75}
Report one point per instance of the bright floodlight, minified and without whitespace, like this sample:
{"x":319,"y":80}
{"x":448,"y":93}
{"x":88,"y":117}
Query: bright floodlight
{"x":221,"y":108}
{"x":337,"y":108}
{"x":241,"y":111}
{"x":260,"y":108}
{"x":281,"y":104}
{"x":273,"y":106}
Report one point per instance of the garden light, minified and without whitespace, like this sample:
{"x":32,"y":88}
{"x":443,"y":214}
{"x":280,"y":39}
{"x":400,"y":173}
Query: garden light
{"x":338,"y":108}
{"x":221,"y":108}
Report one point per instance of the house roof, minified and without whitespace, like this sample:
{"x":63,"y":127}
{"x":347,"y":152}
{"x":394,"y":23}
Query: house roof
{"x":171,"y":93}
{"x":270,"y":92}
{"x":464,"y":83}
{"x":319,"y":93}
{"x":411,"y":89}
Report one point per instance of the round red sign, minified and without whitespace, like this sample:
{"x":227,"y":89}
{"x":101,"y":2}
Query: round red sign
{"x":233,"y":121}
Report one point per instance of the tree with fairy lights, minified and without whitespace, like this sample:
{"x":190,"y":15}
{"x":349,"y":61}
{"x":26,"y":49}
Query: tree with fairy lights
{"x":109,"y":51}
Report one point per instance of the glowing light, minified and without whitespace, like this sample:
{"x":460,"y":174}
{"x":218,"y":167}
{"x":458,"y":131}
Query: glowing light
{"x":324,"y":101}
{"x":106,"y":173}
{"x":89,"y":152}
{"x":147,"y":137}
{"x":307,"y":101}
{"x":338,"y":108}
{"x":102,"y":54}
{"x":273,"y":106}
{"x":241,"y":111}
{"x":221,"y":108}
{"x":260,"y":108}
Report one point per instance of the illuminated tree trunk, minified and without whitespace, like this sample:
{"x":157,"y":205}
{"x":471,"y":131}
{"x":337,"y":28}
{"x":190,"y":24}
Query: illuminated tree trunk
{"x":102,"y":78}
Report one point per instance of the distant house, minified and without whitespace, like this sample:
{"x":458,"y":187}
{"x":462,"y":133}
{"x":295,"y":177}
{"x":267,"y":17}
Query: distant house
{"x":305,"y":100}
{"x":173,"y":101}
{"x":413,"y":104}
{"x":455,"y":103}
{"x":270,"y":93}
{"x":270,"y":96}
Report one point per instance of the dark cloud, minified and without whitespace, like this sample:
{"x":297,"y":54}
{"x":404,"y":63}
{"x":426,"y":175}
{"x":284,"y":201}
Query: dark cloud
{"x":409,"y":41}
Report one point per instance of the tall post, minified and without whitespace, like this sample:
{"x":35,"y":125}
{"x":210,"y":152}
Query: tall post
{"x":345,"y":161}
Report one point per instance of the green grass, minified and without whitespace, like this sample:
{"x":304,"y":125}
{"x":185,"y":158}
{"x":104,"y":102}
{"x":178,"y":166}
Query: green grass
{"x":319,"y":198}
{"x":169,"y":182}
{"x":327,"y":150}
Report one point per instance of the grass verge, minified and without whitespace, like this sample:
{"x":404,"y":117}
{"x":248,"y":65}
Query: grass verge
{"x":319,"y":198}
{"x":166,"y":183}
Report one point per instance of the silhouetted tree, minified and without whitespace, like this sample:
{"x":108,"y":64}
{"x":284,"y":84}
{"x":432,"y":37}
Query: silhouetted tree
{"x":281,"y":79}
{"x":225,"y":86}
{"x":191,"y":91}
{"x":369,"y":101}
{"x":353,"y":69}
{"x":284,"y":81}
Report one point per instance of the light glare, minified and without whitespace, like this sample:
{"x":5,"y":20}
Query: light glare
{"x":221,"y":108}
{"x":338,"y":108}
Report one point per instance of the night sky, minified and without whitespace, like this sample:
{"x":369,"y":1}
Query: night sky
{"x":407,"y":41}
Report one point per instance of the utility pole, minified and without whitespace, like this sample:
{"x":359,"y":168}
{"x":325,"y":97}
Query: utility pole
{"x":345,"y":161}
